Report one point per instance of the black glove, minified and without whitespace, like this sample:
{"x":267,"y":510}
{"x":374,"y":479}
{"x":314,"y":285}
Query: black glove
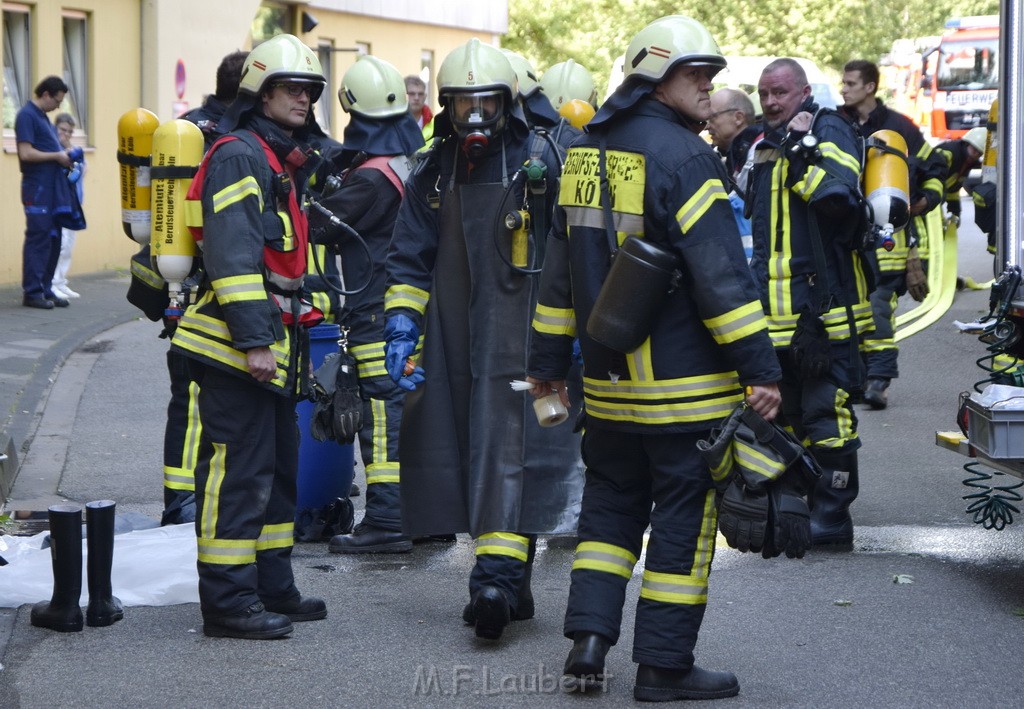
{"x":743,"y":518}
{"x":347,"y":414}
{"x":810,"y":348}
{"x":789,"y":524}
{"x":953,"y":207}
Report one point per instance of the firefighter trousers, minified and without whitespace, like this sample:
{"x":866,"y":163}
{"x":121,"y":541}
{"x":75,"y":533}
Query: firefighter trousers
{"x":378,"y":445}
{"x":181,"y":439}
{"x":245,"y":493}
{"x":502,"y":559}
{"x":879,"y":347}
{"x":626,"y":474}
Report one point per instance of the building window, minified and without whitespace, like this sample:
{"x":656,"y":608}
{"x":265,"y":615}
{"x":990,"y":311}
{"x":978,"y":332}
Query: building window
{"x":17,"y":69}
{"x":362,"y":48}
{"x":272,"y":19}
{"x":325,"y":105}
{"x":76,"y":69}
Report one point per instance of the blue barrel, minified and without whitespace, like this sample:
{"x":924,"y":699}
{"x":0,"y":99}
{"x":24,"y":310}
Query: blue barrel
{"x":325,"y":469}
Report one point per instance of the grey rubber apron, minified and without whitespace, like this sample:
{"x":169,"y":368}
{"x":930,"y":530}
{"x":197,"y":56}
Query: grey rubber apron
{"x":474,"y":458}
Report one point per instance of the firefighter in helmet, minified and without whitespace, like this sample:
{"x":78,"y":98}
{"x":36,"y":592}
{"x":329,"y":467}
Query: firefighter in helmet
{"x":380,"y":134}
{"x":647,"y":406}
{"x":246,"y":347}
{"x":474,"y":457}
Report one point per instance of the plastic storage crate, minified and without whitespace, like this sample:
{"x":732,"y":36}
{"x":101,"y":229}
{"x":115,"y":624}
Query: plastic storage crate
{"x":998,"y":433}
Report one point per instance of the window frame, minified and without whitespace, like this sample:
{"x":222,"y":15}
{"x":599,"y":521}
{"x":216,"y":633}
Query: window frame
{"x":19,"y":82}
{"x":325,"y":105}
{"x":77,"y":72}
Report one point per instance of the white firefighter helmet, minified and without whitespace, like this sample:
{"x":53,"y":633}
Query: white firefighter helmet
{"x":374,"y":88}
{"x":977,"y":138}
{"x":669,"y":41}
{"x":477,"y":87}
{"x":526,"y":75}
{"x":566,"y":81}
{"x":282,"y":58}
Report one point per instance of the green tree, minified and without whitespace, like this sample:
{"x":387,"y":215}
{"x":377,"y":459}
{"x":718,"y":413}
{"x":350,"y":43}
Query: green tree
{"x":831,"y":32}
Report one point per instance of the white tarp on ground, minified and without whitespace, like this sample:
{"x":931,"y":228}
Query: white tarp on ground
{"x":152,"y":567}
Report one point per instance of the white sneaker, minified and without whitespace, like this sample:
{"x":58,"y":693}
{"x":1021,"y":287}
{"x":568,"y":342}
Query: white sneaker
{"x":65,"y":292}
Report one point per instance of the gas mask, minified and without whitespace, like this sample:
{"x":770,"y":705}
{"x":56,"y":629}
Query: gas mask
{"x":477,"y":117}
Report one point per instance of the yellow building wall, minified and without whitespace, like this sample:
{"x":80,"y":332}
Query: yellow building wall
{"x":134,"y":46}
{"x":114,"y":82}
{"x":396,"y":42}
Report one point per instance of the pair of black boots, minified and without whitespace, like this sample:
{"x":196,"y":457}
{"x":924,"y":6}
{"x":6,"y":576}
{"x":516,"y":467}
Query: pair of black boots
{"x":63,"y":612}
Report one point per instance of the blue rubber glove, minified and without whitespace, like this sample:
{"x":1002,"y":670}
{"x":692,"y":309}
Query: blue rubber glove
{"x":400,"y":338}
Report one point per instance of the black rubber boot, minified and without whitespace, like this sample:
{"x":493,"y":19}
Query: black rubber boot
{"x":62,"y":612}
{"x":656,"y":684}
{"x":104,"y":607}
{"x":585,"y":663}
{"x":835,"y":491}
{"x":490,"y":609}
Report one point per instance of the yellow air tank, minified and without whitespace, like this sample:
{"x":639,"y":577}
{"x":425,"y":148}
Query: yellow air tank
{"x":134,"y":146}
{"x":577,"y":111}
{"x":177,"y":152}
{"x":887,"y":183}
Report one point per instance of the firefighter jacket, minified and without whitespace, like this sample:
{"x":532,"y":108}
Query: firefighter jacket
{"x":710,"y":338}
{"x":254,"y":249}
{"x":368,"y":201}
{"x":785,"y":191}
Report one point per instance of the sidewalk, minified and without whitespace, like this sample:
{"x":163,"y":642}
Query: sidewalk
{"x":35,"y":345}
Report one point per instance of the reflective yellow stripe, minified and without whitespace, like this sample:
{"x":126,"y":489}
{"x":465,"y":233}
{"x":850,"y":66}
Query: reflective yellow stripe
{"x":554,"y":321}
{"x":235,"y":289}
{"x":211,"y":493}
{"x":382,"y":473}
{"x":276,"y":536}
{"x":403,"y":296}
{"x":179,"y":479}
{"x":370,"y":351}
{"x":224,"y":353}
{"x":701,"y":201}
{"x":738,"y":323}
{"x":193,"y":431}
{"x":607,"y":558}
{"x":832,"y":151}
{"x":662,"y":388}
{"x":810,"y":182}
{"x":640,"y":363}
{"x":237,"y":192}
{"x":147,"y":275}
{"x":503,"y":544}
{"x":593,"y":218}
{"x":757,"y":462}
{"x":230,"y":552}
{"x":288,"y":238}
{"x":692,"y":588}
{"x":679,"y":412}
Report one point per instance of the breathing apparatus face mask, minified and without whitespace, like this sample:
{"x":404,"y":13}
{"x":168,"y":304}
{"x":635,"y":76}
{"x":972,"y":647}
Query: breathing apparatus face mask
{"x":477,"y":118}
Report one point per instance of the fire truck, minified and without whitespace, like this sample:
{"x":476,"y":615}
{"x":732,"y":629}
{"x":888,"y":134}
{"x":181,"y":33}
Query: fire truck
{"x":962,"y":75}
{"x":992,"y":424}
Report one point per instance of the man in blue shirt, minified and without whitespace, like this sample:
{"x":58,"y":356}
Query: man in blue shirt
{"x":41,"y":158}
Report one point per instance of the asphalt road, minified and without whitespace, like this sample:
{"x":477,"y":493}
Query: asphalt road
{"x":832,"y":629}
